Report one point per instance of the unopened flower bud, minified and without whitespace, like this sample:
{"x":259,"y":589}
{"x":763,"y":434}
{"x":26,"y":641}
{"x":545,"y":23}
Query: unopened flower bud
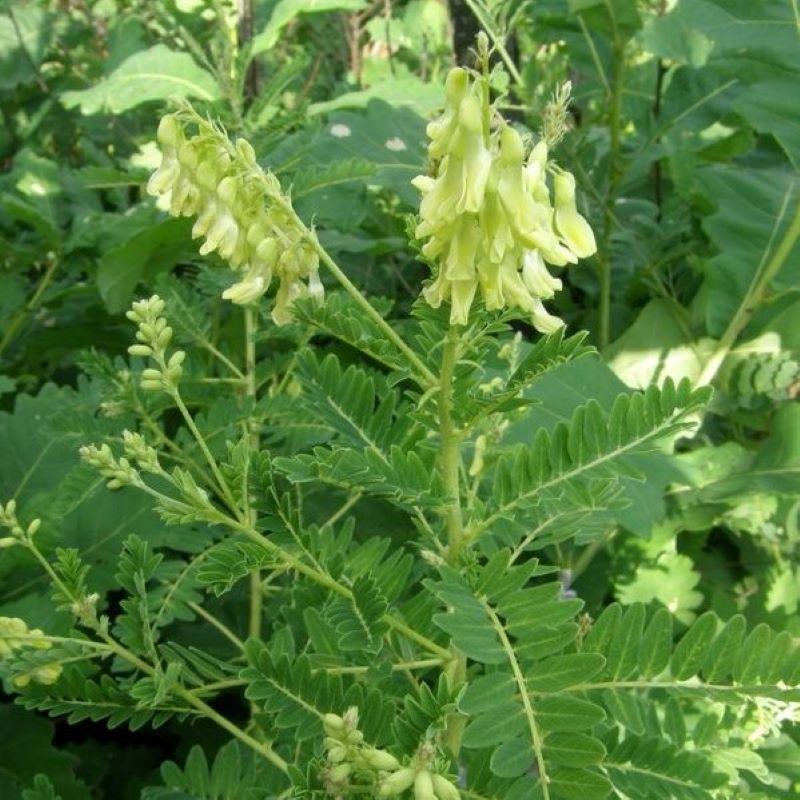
{"x":397,"y":782}
{"x":333,"y":725}
{"x":444,"y":789}
{"x":423,"y":786}
{"x":379,"y":759}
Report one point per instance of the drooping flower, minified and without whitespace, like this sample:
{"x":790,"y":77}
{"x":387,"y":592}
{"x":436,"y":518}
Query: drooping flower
{"x":241,"y":212}
{"x":486,"y":217}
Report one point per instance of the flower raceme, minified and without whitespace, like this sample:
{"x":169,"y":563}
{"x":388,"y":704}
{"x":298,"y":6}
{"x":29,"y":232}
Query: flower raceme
{"x":241,"y":213}
{"x":486,"y":213}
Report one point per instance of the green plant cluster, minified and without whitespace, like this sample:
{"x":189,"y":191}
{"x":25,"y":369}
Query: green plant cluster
{"x":386,"y":417}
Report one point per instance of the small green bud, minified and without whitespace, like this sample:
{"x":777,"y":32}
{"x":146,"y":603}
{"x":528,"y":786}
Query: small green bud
{"x":340,"y":773}
{"x":397,"y":782}
{"x":34,"y":526}
{"x":8,"y":541}
{"x":333,"y":725}
{"x":169,"y":131}
{"x":444,"y":789}
{"x":140,"y":350}
{"x":379,"y":759}
{"x":337,"y":754}
{"x":423,"y":786}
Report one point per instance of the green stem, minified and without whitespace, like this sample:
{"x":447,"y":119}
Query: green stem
{"x":752,"y":300}
{"x":429,"y":379}
{"x":604,"y":258}
{"x":210,"y":460}
{"x":449,"y":454}
{"x":185,"y":694}
{"x":217,"y":623}
{"x":326,"y":581}
{"x":522,"y":686}
{"x":19,"y":317}
{"x":256,"y":591}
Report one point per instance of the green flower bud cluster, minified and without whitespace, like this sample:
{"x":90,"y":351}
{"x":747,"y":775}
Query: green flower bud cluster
{"x":120,"y":472}
{"x":421,"y":777}
{"x":19,"y":534}
{"x":348,"y":755}
{"x":486,"y":213}
{"x":15,"y":635}
{"x":137,"y":450}
{"x":241,"y":212}
{"x":152,"y":339}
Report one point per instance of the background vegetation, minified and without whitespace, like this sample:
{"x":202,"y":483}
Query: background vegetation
{"x":684,"y":142}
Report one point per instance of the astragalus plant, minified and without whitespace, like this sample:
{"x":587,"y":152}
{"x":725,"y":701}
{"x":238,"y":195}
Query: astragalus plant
{"x":363,"y":592}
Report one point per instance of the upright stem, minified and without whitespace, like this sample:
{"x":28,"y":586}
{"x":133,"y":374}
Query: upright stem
{"x":604,"y":260}
{"x":449,"y":453}
{"x":449,"y":462}
{"x":256,"y":592}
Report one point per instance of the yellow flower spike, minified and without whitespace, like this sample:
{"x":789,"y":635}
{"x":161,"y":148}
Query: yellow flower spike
{"x":571,"y":226}
{"x":241,"y":212}
{"x":486,"y":215}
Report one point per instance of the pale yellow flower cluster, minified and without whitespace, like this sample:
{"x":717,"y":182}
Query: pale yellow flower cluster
{"x":487,"y":215}
{"x":241,"y":213}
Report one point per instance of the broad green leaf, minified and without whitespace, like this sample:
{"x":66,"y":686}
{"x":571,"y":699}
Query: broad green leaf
{"x":285,"y":11}
{"x":659,"y":344}
{"x":768,"y":107}
{"x":155,"y":74}
{"x":753,"y":209}
{"x":412,"y":93}
{"x":23,"y":42}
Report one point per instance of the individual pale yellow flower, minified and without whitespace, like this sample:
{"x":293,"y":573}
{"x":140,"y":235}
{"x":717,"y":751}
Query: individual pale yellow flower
{"x":241,"y":213}
{"x":486,"y":217}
